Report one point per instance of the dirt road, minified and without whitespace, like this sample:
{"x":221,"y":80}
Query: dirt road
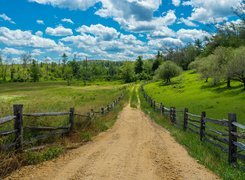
{"x":135,"y":148}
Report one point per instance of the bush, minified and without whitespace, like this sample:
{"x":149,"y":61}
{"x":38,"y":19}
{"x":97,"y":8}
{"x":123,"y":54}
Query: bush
{"x":167,"y":71}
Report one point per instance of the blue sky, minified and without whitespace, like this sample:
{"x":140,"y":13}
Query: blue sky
{"x":105,"y":29}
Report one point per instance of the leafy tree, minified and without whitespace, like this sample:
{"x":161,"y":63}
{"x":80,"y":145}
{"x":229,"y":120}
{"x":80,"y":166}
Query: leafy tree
{"x":236,"y":66}
{"x":64,"y":61}
{"x":157,"y":62}
{"x":138,"y":65}
{"x":167,"y":71}
{"x":68,"y":75}
{"x":127,"y":72}
{"x":34,"y":71}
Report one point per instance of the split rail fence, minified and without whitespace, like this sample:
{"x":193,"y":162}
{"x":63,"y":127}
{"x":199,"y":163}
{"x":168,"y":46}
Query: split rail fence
{"x":18,"y":130}
{"x":224,"y":134}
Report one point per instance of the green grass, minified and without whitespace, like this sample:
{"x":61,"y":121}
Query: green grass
{"x":206,"y":154}
{"x":189,"y":91}
{"x":133,"y":97}
{"x":44,"y":97}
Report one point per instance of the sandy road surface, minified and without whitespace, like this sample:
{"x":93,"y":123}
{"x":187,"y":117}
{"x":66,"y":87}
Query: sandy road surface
{"x":135,"y":148}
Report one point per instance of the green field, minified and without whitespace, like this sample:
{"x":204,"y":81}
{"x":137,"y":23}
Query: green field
{"x":189,"y":91}
{"x":56,"y":96}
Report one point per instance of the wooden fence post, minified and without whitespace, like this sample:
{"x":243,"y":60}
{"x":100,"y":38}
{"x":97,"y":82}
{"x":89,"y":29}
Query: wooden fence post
{"x":232,"y":138}
{"x":71,"y":119}
{"x":202,"y":127}
{"x":18,"y":125}
{"x":170,"y":114}
{"x":185,"y":118}
{"x":102,"y":111}
{"x":174,"y":115}
{"x":161,"y":108}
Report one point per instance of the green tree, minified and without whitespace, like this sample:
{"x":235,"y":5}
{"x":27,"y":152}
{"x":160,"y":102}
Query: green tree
{"x":127,"y":72}
{"x":64,"y":61}
{"x":34,"y":71}
{"x":138,"y":65}
{"x":236,"y":66}
{"x":68,"y":74}
{"x":157,"y":62}
{"x":167,"y":71}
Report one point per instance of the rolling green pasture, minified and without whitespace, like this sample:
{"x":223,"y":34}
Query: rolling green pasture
{"x":56,"y":96}
{"x":189,"y":91}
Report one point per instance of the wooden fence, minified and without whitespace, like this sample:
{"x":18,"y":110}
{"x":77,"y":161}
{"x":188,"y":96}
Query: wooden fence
{"x":18,"y":129}
{"x":228,"y":139}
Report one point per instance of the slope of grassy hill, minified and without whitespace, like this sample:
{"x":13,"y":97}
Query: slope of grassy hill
{"x":190,"y":91}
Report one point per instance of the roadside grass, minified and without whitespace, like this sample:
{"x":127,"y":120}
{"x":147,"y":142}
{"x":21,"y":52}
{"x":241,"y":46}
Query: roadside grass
{"x":133,"y":97}
{"x":189,"y":91}
{"x":46,"y":97}
{"x":206,"y":154}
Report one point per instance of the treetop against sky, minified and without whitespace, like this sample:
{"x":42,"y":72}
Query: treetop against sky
{"x":105,"y":29}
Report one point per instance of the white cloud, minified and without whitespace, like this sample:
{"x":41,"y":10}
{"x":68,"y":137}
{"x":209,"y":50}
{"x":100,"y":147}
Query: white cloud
{"x":190,"y":35}
{"x":6,"y":18}
{"x":39,"y":33}
{"x":67,"y":20}
{"x":133,"y":15}
{"x":163,"y":32}
{"x":24,"y":39}
{"x":36,"y":52}
{"x":59,"y":31}
{"x":12,"y":51}
{"x":208,"y":10}
{"x":39,"y":21}
{"x":71,"y":4}
{"x":188,"y":22}
{"x":98,"y":30}
{"x":176,"y":2}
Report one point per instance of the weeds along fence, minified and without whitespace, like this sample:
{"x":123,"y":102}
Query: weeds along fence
{"x":228,"y":135}
{"x":18,"y":141}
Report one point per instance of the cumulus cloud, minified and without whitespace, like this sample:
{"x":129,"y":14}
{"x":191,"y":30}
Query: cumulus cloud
{"x":206,"y":11}
{"x":67,"y":20}
{"x":190,"y":35}
{"x":12,"y":51}
{"x":187,"y":22}
{"x":98,"y":30}
{"x":39,"y":33}
{"x":6,"y":18}
{"x":59,"y":31}
{"x":24,"y":39}
{"x":176,"y":2}
{"x":133,"y":15}
{"x":39,"y":21}
{"x":71,"y":4}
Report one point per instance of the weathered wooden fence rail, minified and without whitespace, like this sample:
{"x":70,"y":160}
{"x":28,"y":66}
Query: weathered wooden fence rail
{"x":18,"y":129}
{"x":228,"y":139}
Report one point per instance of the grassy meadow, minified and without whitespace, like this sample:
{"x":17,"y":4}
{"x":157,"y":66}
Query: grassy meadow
{"x":190,"y":91}
{"x":55,"y":97}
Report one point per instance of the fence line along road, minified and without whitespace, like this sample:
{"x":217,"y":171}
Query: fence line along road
{"x":19,"y":129}
{"x":228,"y":141}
